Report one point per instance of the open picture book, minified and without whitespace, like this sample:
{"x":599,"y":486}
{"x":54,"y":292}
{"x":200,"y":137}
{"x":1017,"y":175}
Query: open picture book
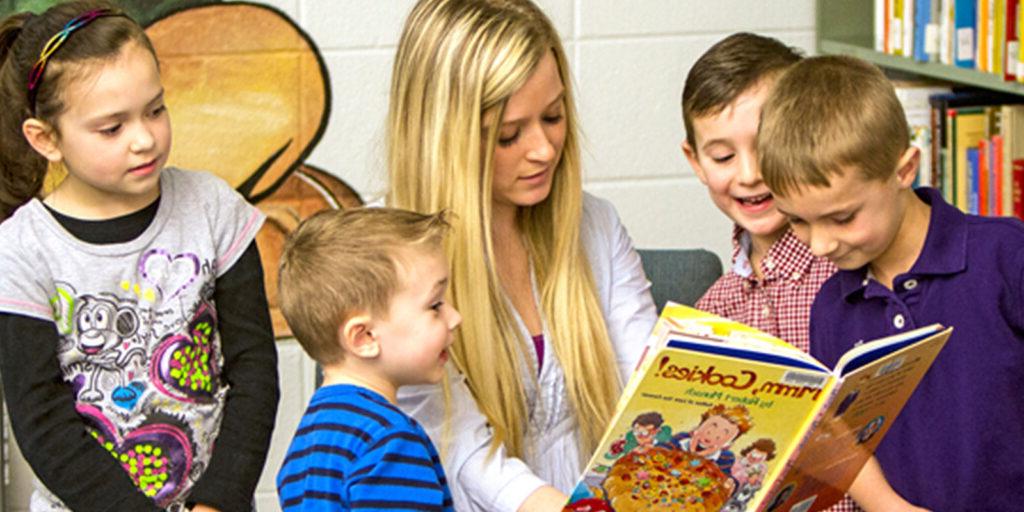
{"x":721,"y":416}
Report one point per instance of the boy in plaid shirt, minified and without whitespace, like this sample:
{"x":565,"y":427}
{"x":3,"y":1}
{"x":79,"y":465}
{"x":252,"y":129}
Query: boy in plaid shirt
{"x":774,"y":277}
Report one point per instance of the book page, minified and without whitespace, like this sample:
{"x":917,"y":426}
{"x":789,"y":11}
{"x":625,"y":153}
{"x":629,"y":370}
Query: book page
{"x":702,"y":430}
{"x":863,"y":407}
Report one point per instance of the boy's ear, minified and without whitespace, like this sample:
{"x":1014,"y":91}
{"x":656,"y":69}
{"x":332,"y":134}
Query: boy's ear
{"x":907,"y":168}
{"x":43,"y":138}
{"x":691,"y":156}
{"x":357,"y":339}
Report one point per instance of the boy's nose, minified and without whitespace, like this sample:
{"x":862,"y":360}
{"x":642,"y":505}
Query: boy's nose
{"x":749,"y":171}
{"x":454,"y":318}
{"x":821,"y":243}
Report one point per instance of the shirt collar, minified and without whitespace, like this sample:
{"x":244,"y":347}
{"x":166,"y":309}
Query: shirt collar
{"x":945,"y":245}
{"x":786,"y":257}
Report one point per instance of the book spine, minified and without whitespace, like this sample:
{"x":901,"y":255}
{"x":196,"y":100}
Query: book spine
{"x":1012,"y":41}
{"x":981,"y":31}
{"x":971,"y":183}
{"x":922,"y":20}
{"x":880,"y":26}
{"x":1018,"y":188}
{"x":908,"y":28}
{"x":996,"y":205}
{"x":949,"y":181}
{"x":964,"y":20}
{"x":984,"y":155}
{"x":896,"y":27}
{"x":998,"y":36}
{"x":1020,"y":55}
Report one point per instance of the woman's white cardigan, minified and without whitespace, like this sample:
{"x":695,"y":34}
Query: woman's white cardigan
{"x":501,"y":483}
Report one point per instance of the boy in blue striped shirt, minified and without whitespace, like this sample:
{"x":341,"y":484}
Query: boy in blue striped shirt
{"x":364,"y":293}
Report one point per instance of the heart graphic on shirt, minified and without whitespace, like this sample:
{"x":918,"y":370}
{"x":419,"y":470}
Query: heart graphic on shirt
{"x":63,"y":304}
{"x":157,"y":457}
{"x":185,"y":367}
{"x":126,"y":397}
{"x":169,"y":273}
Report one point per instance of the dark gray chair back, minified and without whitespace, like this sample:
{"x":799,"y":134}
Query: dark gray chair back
{"x":680,"y":275}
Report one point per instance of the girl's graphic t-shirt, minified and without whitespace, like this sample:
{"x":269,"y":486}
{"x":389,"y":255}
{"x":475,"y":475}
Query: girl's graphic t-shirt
{"x":139,"y":345}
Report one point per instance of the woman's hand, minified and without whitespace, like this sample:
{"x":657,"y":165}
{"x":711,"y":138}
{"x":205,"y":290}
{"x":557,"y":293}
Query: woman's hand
{"x":544,"y":499}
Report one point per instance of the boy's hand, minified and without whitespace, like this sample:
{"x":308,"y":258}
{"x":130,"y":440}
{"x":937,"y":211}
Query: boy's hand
{"x":199,"y":507}
{"x":544,"y":499}
{"x":873,"y":493}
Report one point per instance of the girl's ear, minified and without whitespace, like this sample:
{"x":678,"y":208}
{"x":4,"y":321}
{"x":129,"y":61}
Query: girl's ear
{"x":357,"y":339}
{"x":43,"y":138}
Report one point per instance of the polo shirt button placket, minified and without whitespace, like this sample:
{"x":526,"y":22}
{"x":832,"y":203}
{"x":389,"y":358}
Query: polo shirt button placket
{"x":910,"y":284}
{"x":898,"y":321}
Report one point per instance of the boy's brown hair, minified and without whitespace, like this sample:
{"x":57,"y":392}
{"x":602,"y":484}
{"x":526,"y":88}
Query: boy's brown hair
{"x":338,"y":263}
{"x":727,"y":70}
{"x":828,"y":114}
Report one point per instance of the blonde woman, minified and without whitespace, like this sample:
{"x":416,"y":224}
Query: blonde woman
{"x":556,"y":305}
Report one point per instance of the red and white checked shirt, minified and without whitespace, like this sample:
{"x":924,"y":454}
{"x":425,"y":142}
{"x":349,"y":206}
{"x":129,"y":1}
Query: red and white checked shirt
{"x":780,"y":302}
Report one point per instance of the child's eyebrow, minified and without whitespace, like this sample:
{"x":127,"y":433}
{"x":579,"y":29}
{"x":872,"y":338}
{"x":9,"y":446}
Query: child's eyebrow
{"x":708,"y":143}
{"x":159,"y":97}
{"x":440,"y":286}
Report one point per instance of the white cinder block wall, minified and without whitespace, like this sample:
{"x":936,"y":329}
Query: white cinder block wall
{"x":629,"y":58}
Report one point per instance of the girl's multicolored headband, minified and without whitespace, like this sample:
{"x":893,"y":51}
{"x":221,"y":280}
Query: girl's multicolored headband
{"x":35,"y":77}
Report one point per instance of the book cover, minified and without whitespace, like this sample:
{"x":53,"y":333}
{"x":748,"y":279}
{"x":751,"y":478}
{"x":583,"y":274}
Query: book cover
{"x":719,"y":416}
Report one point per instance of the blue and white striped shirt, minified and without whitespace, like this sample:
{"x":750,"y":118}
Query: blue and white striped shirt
{"x":354,"y":450}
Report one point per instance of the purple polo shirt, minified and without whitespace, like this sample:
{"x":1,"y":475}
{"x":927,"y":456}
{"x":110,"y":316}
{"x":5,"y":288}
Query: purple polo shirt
{"x":958,"y":444}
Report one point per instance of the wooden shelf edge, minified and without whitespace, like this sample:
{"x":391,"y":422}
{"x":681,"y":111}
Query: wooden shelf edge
{"x":926,"y":69}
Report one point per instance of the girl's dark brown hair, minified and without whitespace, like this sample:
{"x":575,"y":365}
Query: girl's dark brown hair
{"x":22,"y":38}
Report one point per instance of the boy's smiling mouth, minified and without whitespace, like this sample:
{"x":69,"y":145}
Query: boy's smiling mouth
{"x":755,"y":200}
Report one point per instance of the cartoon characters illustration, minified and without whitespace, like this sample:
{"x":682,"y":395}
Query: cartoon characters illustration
{"x":648,"y":429}
{"x":719,"y":427}
{"x":749,"y":472}
{"x":105,"y":332}
{"x":752,"y":465}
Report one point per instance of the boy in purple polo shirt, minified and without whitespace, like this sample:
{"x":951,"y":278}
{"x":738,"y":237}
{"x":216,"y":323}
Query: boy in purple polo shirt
{"x":835,"y":151}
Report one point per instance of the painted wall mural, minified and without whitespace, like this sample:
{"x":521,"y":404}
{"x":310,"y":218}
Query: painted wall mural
{"x":249,"y":98}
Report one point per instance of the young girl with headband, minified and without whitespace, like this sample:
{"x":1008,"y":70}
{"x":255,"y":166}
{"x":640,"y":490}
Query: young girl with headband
{"x":135,"y":343}
{"x":556,"y":307}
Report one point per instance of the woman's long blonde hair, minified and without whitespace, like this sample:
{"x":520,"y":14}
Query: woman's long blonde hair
{"x":456,"y":61}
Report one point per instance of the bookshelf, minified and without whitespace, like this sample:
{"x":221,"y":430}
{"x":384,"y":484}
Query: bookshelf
{"x":846,"y":27}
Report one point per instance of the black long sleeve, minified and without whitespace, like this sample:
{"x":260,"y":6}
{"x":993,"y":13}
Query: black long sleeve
{"x":49,"y":431}
{"x":250,"y":368}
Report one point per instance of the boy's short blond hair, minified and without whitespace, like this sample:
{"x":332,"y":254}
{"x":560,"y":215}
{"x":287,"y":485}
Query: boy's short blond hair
{"x":827,"y":115}
{"x":727,"y":70}
{"x":338,"y":263}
